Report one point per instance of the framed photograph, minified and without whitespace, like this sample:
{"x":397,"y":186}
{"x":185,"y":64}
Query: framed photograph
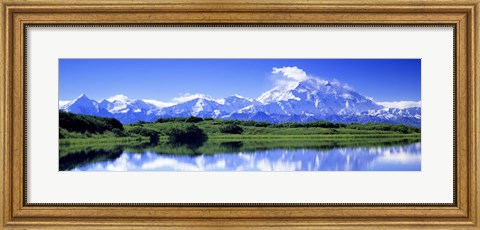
{"x":241,"y":114}
{"x":302,"y":123}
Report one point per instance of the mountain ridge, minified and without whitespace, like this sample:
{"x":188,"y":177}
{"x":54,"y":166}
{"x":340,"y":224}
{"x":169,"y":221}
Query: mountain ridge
{"x":308,"y":100}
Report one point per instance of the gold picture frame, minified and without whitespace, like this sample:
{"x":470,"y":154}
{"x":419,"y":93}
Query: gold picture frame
{"x":16,"y":15}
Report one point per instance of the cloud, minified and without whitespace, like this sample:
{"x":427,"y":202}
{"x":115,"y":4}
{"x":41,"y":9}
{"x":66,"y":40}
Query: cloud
{"x":289,"y":77}
{"x":340,"y":84}
{"x":400,"y":104}
{"x":187,"y":97}
{"x":291,"y":73}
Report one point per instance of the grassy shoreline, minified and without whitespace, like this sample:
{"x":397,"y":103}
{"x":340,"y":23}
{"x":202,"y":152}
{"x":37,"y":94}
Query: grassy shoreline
{"x":84,"y":131}
{"x":236,"y":137}
{"x":232,"y":143}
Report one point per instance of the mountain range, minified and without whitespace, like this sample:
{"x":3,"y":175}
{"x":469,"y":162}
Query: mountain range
{"x":309,"y":100}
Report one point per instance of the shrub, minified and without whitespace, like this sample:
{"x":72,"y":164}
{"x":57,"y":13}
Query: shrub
{"x":143,"y":131}
{"x":139,"y":123}
{"x":154,"y":139}
{"x":187,"y":134}
{"x":119,"y":133}
{"x":171,"y":119}
{"x":152,"y":134}
{"x":261,"y":124}
{"x":193,"y":119}
{"x":62,"y":133}
{"x":384,"y":127}
{"x":232,"y":129}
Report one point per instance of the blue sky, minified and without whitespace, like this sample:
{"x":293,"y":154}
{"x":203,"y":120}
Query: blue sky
{"x":165,"y":79}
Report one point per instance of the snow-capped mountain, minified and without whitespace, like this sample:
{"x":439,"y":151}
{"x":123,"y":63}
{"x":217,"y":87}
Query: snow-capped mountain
{"x":122,"y":104}
{"x":308,"y":100}
{"x":118,"y":106}
{"x":84,"y":105}
{"x":129,"y":111}
{"x":199,"y":107}
{"x":410,"y":116}
{"x":312,"y":97}
{"x":235,"y":103}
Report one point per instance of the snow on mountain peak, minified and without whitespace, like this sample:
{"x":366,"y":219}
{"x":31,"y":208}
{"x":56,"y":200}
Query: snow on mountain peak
{"x":316,"y":84}
{"x":119,"y":97}
{"x":84,"y":105}
{"x":80,"y":99}
{"x":242,"y":97}
{"x":310,"y":86}
{"x":278,"y":94}
{"x":286,"y":79}
{"x":400,"y":104}
{"x":61,"y":103}
{"x":188,"y":97}
{"x":158,"y":104}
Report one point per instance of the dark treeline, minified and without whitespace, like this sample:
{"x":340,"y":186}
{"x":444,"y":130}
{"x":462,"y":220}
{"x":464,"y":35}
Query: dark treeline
{"x":178,"y":119}
{"x":384,"y":127}
{"x":229,"y":128}
{"x":84,"y":123}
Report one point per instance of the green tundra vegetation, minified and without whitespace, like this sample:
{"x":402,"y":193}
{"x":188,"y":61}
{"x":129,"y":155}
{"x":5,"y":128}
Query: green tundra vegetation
{"x":86,"y":135}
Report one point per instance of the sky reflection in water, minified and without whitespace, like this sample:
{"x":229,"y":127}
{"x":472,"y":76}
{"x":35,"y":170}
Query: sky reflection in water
{"x":392,"y":158}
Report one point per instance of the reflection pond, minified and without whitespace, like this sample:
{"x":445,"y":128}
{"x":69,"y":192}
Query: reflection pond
{"x":308,"y":155}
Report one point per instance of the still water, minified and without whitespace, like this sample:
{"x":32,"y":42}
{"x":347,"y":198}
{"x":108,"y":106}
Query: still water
{"x":400,"y":157}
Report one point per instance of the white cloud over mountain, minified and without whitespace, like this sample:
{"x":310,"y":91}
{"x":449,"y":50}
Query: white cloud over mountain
{"x":286,"y":78}
{"x":293,"y":73}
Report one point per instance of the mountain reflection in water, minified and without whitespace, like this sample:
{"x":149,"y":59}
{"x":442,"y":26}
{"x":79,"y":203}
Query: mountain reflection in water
{"x":397,"y":157}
